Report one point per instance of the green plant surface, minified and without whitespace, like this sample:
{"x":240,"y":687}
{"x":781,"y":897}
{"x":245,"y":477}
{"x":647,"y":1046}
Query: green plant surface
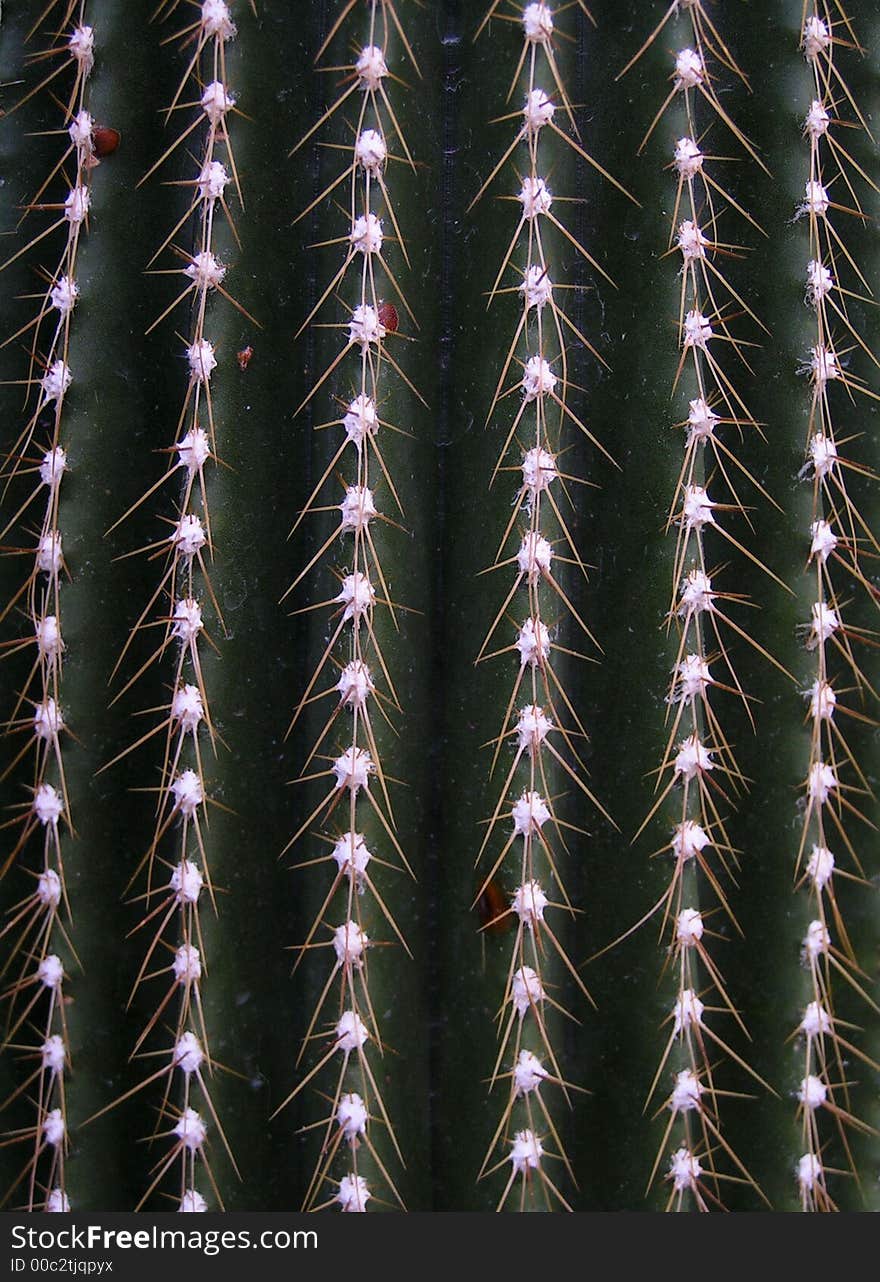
{"x":444,"y":1127}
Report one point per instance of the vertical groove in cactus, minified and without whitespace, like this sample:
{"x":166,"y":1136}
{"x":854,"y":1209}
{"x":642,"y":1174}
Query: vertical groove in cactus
{"x":731,"y":1057}
{"x":167,"y":869}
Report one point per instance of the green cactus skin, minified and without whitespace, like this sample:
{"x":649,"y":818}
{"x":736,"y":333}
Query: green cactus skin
{"x":435,"y":1010}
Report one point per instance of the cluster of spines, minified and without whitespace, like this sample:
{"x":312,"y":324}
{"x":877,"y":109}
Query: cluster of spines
{"x":840,"y":543}
{"x":352,"y":671}
{"x":540,"y":721}
{"x":171,"y":899}
{"x":35,"y":933}
{"x":698,"y":766}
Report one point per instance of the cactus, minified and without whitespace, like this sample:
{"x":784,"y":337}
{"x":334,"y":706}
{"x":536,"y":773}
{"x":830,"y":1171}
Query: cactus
{"x":439,"y":531}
